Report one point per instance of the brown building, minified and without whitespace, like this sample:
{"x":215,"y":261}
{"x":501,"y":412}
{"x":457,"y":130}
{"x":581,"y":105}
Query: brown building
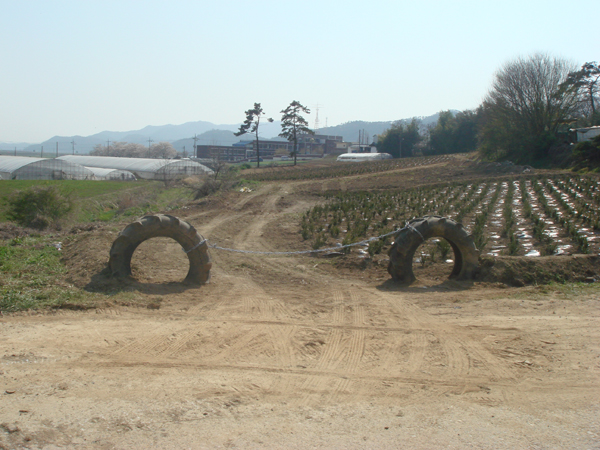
{"x":222,"y":152}
{"x":308,"y":144}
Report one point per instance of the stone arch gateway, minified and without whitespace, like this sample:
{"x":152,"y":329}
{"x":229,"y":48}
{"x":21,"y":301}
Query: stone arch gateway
{"x":161,"y":225}
{"x":417,"y":231}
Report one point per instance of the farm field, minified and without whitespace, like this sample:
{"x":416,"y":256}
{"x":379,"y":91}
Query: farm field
{"x":530,"y":216}
{"x":302,"y":351}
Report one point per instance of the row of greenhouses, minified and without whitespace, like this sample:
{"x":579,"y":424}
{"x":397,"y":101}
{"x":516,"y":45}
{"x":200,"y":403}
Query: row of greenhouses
{"x":76,"y":167}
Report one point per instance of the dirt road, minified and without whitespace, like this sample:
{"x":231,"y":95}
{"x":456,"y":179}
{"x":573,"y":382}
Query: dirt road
{"x":284,"y":352}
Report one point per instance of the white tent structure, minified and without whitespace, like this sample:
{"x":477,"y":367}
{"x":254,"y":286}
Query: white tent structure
{"x":150,"y":169}
{"x":358,"y":157}
{"x":26,"y":168}
{"x":112,"y":174}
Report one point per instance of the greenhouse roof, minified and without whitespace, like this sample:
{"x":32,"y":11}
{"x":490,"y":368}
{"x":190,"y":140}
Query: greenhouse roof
{"x":12,"y":163}
{"x":101,"y":172}
{"x":131,"y":164}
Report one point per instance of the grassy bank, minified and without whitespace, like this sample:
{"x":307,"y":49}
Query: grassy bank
{"x":31,"y":271}
{"x":31,"y":275}
{"x":105,"y":200}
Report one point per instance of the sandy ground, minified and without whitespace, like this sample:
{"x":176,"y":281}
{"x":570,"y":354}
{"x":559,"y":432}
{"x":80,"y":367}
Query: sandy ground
{"x":285,"y":352}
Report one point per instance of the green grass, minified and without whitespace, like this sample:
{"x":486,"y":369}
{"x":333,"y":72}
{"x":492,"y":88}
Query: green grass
{"x":81,"y":188}
{"x":31,"y":274}
{"x":106,"y":200}
{"x":81,"y":191}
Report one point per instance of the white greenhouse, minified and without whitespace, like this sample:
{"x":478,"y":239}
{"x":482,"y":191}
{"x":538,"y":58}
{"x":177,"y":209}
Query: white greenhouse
{"x":112,"y":174}
{"x":150,"y":169}
{"x":358,"y":157}
{"x":26,"y":168}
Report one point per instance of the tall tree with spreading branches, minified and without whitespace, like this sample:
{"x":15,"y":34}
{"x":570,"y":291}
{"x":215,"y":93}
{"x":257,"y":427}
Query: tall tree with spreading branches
{"x":400,"y":139}
{"x":292,"y":123}
{"x":586,"y":82}
{"x":251,"y":125}
{"x":523,"y":111}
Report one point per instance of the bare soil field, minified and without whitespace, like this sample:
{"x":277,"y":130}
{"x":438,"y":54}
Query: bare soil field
{"x":297,"y":351}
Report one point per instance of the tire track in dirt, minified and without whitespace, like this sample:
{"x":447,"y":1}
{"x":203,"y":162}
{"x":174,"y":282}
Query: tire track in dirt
{"x":412,"y":336}
{"x":460,"y":349}
{"x":418,"y":344}
{"x":144,"y":345}
{"x":357,"y":346}
{"x":234,"y":348}
{"x":342,"y":355}
{"x":174,"y":346}
{"x":260,"y":312}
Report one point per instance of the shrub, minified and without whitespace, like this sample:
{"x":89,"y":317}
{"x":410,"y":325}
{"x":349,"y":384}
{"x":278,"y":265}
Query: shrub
{"x":444,"y":248}
{"x":206,"y":188}
{"x":39,"y":207}
{"x":587,"y":153}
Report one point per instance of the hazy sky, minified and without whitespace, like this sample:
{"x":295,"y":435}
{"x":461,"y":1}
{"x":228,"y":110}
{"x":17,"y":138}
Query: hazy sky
{"x":84,"y":66}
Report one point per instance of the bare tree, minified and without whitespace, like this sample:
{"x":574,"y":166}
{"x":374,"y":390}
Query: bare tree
{"x":525,"y":107}
{"x":216,"y":164}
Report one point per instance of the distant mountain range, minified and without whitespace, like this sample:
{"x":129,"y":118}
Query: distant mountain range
{"x":207,"y":133}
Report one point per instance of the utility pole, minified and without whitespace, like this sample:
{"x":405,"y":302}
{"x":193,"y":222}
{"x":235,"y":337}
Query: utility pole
{"x":108,"y":146}
{"x":57,"y":149}
{"x":15,"y":151}
{"x":184,"y":153}
{"x":150,"y":140}
{"x":73,"y":144}
{"x":42,"y":151}
{"x":195,"y":146}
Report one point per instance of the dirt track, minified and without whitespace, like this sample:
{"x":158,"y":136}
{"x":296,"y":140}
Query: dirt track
{"x":285,"y":352}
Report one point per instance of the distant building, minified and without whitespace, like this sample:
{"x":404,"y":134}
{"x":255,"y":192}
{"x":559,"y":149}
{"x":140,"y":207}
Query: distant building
{"x":362,"y":148}
{"x":221,"y":152}
{"x":362,"y":157}
{"x":242,"y":150}
{"x":585,"y":134}
{"x":308,"y":144}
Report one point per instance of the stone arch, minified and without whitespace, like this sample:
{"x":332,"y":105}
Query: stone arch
{"x":161,"y":225}
{"x":417,"y":231}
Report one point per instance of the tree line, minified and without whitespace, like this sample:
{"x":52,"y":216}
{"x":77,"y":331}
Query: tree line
{"x":162,"y":150}
{"x":525,"y":116}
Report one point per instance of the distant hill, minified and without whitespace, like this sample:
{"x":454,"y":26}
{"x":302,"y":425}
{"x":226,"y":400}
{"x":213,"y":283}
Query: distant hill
{"x":350,"y":130}
{"x":212,"y":137}
{"x":207,"y":132}
{"x":10,"y":146}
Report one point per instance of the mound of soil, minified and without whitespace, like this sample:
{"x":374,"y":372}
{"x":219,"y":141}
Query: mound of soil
{"x":521,"y":270}
{"x":503,"y":168}
{"x":514,"y":271}
{"x":9,"y":231}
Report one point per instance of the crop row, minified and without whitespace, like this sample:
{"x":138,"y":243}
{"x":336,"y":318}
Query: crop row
{"x":529,"y":216}
{"x":343,"y":169}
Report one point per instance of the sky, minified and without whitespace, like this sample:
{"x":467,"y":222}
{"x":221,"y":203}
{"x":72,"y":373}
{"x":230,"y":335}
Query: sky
{"x":81,"y":67}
